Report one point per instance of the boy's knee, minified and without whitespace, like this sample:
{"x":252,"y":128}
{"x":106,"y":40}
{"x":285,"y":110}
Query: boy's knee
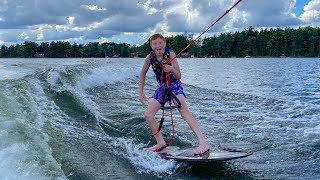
{"x":148,"y":115}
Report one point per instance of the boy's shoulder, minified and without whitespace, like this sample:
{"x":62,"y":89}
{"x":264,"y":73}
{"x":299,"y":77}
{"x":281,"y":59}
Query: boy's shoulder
{"x":172,"y":52}
{"x":149,"y":56}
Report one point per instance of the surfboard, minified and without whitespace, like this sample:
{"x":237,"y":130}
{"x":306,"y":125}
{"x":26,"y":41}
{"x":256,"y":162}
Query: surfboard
{"x":186,"y":154}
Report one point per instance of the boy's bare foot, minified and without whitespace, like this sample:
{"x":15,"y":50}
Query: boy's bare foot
{"x":202,"y":149}
{"x":157,"y":147}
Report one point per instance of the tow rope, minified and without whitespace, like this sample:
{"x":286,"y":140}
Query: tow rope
{"x":167,"y":92}
{"x":193,"y":41}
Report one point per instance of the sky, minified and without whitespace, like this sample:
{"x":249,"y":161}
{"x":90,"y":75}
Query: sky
{"x":133,"y":21}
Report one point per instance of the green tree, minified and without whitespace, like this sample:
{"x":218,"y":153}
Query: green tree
{"x":4,"y":52}
{"x":43,"y":48}
{"x":30,"y":48}
{"x":59,"y":49}
{"x":75,"y":50}
{"x":13,"y":51}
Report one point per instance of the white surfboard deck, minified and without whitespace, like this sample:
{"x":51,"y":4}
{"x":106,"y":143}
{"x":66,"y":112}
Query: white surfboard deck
{"x":186,"y":154}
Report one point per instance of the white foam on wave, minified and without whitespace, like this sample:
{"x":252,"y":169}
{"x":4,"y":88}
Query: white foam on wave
{"x":86,"y":79}
{"x":105,"y":75}
{"x":22,"y":158}
{"x":13,"y":73}
{"x":145,"y":161}
{"x":59,"y":83}
{"x":24,"y":144}
{"x":53,"y":78}
{"x":21,"y":161}
{"x":15,"y":165}
{"x":91,"y":78}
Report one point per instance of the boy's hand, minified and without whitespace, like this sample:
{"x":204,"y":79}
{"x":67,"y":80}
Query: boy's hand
{"x":167,"y":68}
{"x":142,"y":98}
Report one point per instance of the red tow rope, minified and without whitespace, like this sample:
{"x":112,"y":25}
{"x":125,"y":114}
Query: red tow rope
{"x":193,"y":41}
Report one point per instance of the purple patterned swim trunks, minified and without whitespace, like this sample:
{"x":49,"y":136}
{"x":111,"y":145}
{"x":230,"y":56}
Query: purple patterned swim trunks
{"x":176,"y":87}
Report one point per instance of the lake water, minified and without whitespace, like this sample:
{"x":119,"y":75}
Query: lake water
{"x":80,"y":119}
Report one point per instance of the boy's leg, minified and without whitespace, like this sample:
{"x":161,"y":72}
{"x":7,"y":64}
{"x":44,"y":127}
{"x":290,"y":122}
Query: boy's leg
{"x":153,"y":107}
{"x":187,"y":116}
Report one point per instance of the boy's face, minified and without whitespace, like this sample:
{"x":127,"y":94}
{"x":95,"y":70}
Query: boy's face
{"x":158,"y":45}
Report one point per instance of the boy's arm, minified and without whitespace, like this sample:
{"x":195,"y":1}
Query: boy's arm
{"x":142,"y":77}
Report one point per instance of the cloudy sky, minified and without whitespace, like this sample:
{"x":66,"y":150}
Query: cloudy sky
{"x":132,"y":21}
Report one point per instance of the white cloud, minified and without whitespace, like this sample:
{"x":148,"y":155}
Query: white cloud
{"x":103,"y":40}
{"x":291,"y":6}
{"x":79,"y":29}
{"x":237,"y":20}
{"x":133,"y":21}
{"x":186,"y":10}
{"x":22,"y":35}
{"x":144,"y":35}
{"x":62,"y":28}
{"x":271,"y":13}
{"x":79,"y":39}
{"x":40,"y":37}
{"x":128,"y":33}
{"x":95,"y":25}
{"x":147,"y":7}
{"x":71,"y":19}
{"x":313,"y":4}
{"x":93,"y":8}
{"x":311,"y":12}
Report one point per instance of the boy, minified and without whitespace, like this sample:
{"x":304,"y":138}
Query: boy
{"x":158,"y":56}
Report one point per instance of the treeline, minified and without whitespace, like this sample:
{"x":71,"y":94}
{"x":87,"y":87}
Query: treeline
{"x":301,"y":42}
{"x":63,"y":49}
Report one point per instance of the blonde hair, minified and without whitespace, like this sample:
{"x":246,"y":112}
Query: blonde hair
{"x":156,"y":36}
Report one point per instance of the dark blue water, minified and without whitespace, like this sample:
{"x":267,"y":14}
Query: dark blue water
{"x":80,"y":119}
